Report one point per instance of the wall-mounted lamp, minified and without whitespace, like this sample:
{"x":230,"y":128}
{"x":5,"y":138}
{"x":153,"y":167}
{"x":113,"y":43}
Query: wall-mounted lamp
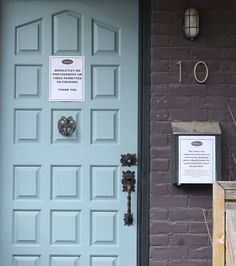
{"x":191,"y":23}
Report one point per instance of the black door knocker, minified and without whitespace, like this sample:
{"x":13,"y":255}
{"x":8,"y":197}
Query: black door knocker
{"x":128,"y":182}
{"x":66,"y":126}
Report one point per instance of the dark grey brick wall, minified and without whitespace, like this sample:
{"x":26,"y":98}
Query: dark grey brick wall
{"x":178,"y":235}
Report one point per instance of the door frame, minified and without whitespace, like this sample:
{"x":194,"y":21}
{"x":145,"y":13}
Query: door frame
{"x":144,"y":132}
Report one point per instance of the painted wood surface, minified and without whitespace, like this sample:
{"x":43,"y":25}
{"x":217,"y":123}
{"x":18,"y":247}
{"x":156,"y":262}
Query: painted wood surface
{"x":61,"y":197}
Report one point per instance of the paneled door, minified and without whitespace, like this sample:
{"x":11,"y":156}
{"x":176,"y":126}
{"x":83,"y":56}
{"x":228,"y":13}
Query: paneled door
{"x":61,"y":198}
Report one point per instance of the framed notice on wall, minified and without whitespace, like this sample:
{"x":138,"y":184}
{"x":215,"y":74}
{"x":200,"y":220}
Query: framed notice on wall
{"x":197,"y":158}
{"x":196,"y":152}
{"x":66,"y":78}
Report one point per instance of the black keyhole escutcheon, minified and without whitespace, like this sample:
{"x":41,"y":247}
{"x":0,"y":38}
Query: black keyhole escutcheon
{"x":128,"y":159}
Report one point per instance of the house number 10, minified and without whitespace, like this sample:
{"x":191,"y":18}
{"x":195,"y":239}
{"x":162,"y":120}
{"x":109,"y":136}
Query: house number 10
{"x":194,"y":71}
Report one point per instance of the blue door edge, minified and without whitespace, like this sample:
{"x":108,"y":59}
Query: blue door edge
{"x":144,"y":133}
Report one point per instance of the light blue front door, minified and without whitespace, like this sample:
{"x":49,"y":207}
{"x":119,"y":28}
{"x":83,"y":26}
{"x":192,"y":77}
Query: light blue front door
{"x":61,"y":199}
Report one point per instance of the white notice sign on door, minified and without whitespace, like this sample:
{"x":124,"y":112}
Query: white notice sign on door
{"x":197,"y":159}
{"x":66,"y":78}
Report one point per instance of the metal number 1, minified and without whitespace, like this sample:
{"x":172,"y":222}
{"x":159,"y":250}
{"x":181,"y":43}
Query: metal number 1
{"x":180,"y":71}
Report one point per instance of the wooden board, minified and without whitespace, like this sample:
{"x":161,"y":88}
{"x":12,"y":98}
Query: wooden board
{"x":230,"y":205}
{"x":218,"y":225}
{"x":231,"y":185}
{"x":228,"y":258}
{"x":230,"y":194}
{"x":231,"y":237}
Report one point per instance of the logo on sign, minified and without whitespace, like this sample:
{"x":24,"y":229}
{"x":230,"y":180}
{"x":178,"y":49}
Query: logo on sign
{"x":197,"y":143}
{"x":67,"y":62}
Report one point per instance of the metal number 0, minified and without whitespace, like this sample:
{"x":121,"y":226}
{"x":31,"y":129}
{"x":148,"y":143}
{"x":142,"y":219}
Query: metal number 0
{"x":195,"y":72}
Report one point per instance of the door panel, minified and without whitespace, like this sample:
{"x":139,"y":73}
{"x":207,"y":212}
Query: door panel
{"x":61,"y":199}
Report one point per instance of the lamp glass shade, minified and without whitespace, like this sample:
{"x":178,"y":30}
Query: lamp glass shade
{"x":191,"y":23}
